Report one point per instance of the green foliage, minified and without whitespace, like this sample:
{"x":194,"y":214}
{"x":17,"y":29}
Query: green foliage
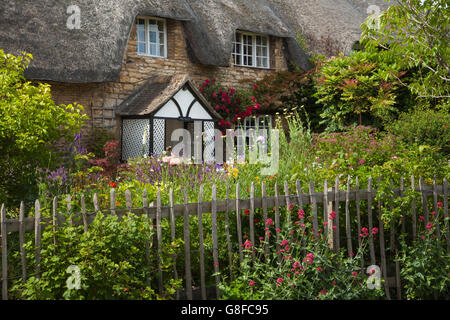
{"x":30,"y":124}
{"x":424,"y":127}
{"x":110,"y":258}
{"x":362,"y":85}
{"x":415,"y":34}
{"x":425,"y":267}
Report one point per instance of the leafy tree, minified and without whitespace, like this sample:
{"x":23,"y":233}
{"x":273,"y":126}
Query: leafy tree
{"x":416,"y":33}
{"x":30,"y":125}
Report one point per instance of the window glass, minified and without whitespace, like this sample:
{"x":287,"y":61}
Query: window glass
{"x":151,"y":36}
{"x":250,"y":50}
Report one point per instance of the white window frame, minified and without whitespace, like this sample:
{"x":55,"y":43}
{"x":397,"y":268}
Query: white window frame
{"x":253,"y":46}
{"x":147,"y":37}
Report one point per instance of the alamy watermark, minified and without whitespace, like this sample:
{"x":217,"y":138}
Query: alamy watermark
{"x":74,"y":20}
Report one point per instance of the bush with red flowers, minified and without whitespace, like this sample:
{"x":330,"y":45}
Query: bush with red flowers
{"x":231,"y":104}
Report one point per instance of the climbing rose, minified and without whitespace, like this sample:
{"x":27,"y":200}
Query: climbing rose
{"x":374,"y":231}
{"x":429,"y":227}
{"x":269,"y":222}
{"x":248,"y":244}
{"x":332,"y":215}
{"x":301,"y":214}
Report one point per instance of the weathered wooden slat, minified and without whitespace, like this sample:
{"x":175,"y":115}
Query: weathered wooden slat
{"x":187,"y":249}
{"x":265,"y":215}
{"x":95,"y":202}
{"x":299,"y":198}
{"x":413,"y":210}
{"x":201,"y":244}
{"x":227,"y":231}
{"x":83,"y":213}
{"x":277,"y":222}
{"x":402,"y":190}
{"x":37,"y":237}
{"x":159,"y":240}
{"x":215,"y":239}
{"x":424,"y":201}
{"x":147,"y":242}
{"x":288,"y":204}
{"x":382,"y":250}
{"x":128,"y":201}
{"x":445,"y":185}
{"x":314,"y":211}
{"x":336,"y":210}
{"x":325,"y":209}
{"x":23,"y":256}
{"x":370,"y":221}
{"x":252,"y":217}
{"x":358,"y":219}
{"x":173,"y":237}
{"x":69,"y":209}
{"x":436,"y":210}
{"x":347,"y":221}
{"x":4,"y":252}
{"x":238,"y":224}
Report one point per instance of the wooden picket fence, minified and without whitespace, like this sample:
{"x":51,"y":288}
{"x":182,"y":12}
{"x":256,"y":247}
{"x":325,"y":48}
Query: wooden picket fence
{"x":330,"y":198}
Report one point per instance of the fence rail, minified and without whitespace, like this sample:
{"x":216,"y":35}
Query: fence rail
{"x":331,"y":200}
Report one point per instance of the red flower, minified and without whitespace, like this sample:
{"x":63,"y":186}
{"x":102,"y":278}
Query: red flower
{"x":355,"y":274}
{"x":284,"y":242}
{"x":421,"y":218}
{"x":255,"y":86}
{"x":429,"y":227}
{"x":439,"y":204}
{"x":291,"y":206}
{"x":301,"y":214}
{"x":279,"y":281}
{"x":319,"y":269}
{"x":251,"y":283}
{"x":323,"y":292}
{"x":374,"y":231}
{"x":332,"y":215}
{"x":112,"y":185}
{"x":269,"y":222}
{"x":247,"y":212}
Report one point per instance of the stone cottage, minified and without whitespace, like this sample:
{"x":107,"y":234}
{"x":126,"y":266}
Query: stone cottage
{"x":135,"y":65}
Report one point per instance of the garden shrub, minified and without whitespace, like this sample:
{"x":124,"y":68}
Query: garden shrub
{"x":424,"y":127}
{"x":110,"y":257}
{"x":31,"y":124}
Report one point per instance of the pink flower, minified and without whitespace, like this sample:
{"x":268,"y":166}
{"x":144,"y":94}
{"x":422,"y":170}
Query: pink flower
{"x":175,"y":161}
{"x":421,"y":218}
{"x":291,"y":206}
{"x":279,"y":281}
{"x":251,"y":283}
{"x":362,"y":161}
{"x":301,"y":214}
{"x":355,"y":274}
{"x":323,"y":292}
{"x":248,"y":244}
{"x":284,"y":242}
{"x":332,"y":215}
{"x":352,"y":254}
{"x":296,"y":265}
{"x":269,"y":222}
{"x":374,"y":231}
{"x":334,"y":282}
{"x":429,"y":227}
{"x":365,"y":233}
{"x":319,"y":269}
{"x":439,"y":204}
{"x":278,"y":230}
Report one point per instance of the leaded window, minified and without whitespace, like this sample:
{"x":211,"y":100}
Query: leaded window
{"x":251,"y":50}
{"x":151,"y":37}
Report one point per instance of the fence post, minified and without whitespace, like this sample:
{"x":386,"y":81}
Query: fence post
{"x":4,"y":254}
{"x":445,"y":192}
{"x":336,"y":210}
{"x":55,"y":220}
{"x":37,"y":237}
{"x":83,"y":213}
{"x":288,"y":203}
{"x":113,"y":201}
{"x":187,"y":248}
{"x":252,"y":217}
{"x":314,"y":210}
{"x":128,"y":201}
{"x":23,"y":256}
{"x":277,"y":222}
{"x":347,"y":220}
{"x":265,"y":216}
{"x":238,"y":224}
{"x":436,"y":210}
{"x":214,"y":239}
{"x":172,"y":235}
{"x":413,"y":209}
{"x":201,"y":244}
{"x":227,"y":231}
{"x":159,"y":239}
{"x":382,"y":249}
{"x":424,"y":200}
{"x":370,"y":221}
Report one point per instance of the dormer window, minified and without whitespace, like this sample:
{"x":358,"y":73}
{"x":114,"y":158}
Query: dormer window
{"x":251,"y":50}
{"x":151,"y":37}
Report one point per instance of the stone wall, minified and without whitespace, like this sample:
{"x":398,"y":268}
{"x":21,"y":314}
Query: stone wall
{"x":101,"y":99}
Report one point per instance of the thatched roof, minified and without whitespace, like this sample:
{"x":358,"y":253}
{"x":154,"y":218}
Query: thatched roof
{"x":95,"y":52}
{"x":155,"y":92}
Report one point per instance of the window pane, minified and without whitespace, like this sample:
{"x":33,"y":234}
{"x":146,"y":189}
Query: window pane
{"x":250,"y":61}
{"x":258,"y":62}
{"x":152,"y":37}
{"x":264,"y":41}
{"x":141,"y":47}
{"x":237,"y":59}
{"x":258,"y":40}
{"x":264,"y":51}
{"x":258,"y":51}
{"x":140,"y":36}
{"x":141,"y":22}
{"x":265,"y":63}
{"x":153,"y":49}
{"x":160,"y":25}
{"x":161,"y":38}
{"x":152,"y":22}
{"x":161,"y":50}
